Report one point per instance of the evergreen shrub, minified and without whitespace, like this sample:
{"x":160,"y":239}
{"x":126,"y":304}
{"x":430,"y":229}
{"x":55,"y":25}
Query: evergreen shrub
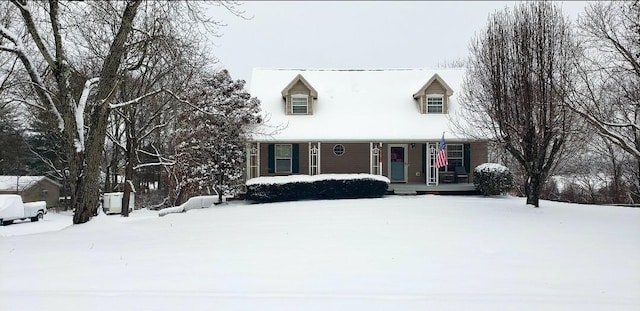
{"x":316,"y":189}
{"x":492,"y":179}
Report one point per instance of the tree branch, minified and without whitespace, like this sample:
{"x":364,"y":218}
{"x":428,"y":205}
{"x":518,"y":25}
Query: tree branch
{"x":33,"y":31}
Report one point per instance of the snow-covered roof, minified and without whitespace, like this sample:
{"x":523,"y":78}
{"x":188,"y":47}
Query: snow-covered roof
{"x":356,"y":105}
{"x":8,"y":183}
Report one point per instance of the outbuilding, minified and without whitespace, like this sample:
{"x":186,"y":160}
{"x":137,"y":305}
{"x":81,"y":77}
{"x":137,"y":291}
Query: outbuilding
{"x":32,"y":188}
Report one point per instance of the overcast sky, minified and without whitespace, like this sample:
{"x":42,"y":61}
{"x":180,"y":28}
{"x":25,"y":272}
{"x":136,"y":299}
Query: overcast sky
{"x":360,"y":34}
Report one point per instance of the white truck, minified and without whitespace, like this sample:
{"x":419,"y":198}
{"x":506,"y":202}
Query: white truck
{"x":112,"y":202}
{"x":12,"y":208}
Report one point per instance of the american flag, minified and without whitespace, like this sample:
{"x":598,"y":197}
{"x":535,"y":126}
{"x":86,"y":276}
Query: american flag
{"x":441,"y":156}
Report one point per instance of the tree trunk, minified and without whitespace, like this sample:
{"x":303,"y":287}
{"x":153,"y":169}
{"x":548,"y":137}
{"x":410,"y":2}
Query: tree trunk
{"x":533,"y":185}
{"x":130,"y":157}
{"x":128,"y":179}
{"x":87,"y":191}
{"x":111,"y":181}
{"x":220,"y":179}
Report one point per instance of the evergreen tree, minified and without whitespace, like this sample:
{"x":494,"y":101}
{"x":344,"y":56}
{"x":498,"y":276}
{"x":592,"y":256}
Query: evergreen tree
{"x":13,"y":147}
{"x":211,"y":137}
{"x":46,"y":156}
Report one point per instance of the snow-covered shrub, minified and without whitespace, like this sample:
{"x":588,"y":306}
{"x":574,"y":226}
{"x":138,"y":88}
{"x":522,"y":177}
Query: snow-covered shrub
{"x":492,"y":179}
{"x":318,"y":187}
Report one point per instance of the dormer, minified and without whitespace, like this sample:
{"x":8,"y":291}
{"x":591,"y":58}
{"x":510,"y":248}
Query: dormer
{"x":433,"y":96}
{"x":299,"y":96}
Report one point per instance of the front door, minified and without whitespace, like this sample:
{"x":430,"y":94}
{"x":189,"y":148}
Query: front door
{"x":397,"y":161}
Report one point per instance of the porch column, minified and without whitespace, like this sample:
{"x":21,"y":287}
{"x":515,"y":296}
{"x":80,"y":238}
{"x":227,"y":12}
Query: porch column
{"x":253,"y":160}
{"x":319,"y":158}
{"x":314,"y":158}
{"x":432,"y":171}
{"x":375,"y":158}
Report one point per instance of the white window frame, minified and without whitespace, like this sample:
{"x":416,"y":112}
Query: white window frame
{"x":343,"y":149}
{"x":293,"y":104}
{"x":433,"y":105}
{"x":276,"y":158}
{"x":456,"y":158}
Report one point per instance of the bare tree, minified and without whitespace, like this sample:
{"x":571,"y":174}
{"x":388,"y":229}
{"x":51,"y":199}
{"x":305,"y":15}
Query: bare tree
{"x":54,"y":91}
{"x":167,"y":61}
{"x":515,"y":91}
{"x":608,"y":95}
{"x":75,"y":54}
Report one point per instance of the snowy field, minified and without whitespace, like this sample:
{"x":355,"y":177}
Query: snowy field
{"x":394,"y":253}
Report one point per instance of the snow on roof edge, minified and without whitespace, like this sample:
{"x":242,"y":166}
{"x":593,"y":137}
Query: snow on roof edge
{"x":359,"y":69}
{"x":8,"y":182}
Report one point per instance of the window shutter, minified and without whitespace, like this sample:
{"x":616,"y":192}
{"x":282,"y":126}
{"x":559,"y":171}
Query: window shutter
{"x":445,"y":105}
{"x":287,"y":105}
{"x":467,"y":157}
{"x":295,"y":158}
{"x":272,"y":158}
{"x":424,"y":159}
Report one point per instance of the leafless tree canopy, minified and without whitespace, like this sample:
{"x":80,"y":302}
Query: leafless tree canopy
{"x":75,"y":57}
{"x":608,"y":94}
{"x":515,"y":88}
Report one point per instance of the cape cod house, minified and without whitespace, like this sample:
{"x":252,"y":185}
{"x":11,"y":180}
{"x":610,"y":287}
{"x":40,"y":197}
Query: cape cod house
{"x":387,"y":122}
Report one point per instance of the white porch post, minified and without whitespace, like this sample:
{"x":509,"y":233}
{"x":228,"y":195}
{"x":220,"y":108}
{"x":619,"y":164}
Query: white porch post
{"x":248,"y":162}
{"x":257,"y":159}
{"x":432,"y":171}
{"x":380,"y":159}
{"x":253,"y":160}
{"x":314,"y":158}
{"x":375,"y":159}
{"x":371,"y":159}
{"x":319,"y":158}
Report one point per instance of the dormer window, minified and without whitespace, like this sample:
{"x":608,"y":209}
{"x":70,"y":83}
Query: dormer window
{"x":299,"y":104}
{"x":433,"y":96}
{"x":299,"y":96}
{"x":435,"y":103}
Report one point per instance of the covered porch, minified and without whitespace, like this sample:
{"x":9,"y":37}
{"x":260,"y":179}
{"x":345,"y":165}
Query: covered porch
{"x":409,"y":165}
{"x":441,"y":188}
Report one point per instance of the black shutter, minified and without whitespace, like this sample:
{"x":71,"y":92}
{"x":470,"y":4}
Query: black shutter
{"x":424,"y":158}
{"x":295,"y":158}
{"x":467,"y":157}
{"x":271,"y":159}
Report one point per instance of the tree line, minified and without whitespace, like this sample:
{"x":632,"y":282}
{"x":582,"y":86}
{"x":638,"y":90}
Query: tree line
{"x":98,"y":94}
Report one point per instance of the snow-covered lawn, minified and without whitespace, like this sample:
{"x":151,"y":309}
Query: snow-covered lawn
{"x":393,"y":253}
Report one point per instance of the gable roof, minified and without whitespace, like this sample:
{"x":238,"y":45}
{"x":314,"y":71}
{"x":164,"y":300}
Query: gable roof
{"x":8,"y":183}
{"x":356,"y":105}
{"x":435,"y":77}
{"x":300,"y":78}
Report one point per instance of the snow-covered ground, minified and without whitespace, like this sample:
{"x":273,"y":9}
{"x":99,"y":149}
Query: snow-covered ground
{"x":393,"y":253}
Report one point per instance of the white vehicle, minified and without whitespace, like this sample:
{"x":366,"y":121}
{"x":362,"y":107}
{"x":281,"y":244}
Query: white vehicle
{"x":201,"y":201}
{"x":12,"y":208}
{"x":112,"y":202}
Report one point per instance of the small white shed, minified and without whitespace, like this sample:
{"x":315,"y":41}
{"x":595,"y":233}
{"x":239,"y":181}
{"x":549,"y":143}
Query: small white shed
{"x":112,"y":202}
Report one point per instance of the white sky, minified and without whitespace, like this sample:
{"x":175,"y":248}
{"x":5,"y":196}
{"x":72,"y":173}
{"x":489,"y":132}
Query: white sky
{"x":360,"y":34}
